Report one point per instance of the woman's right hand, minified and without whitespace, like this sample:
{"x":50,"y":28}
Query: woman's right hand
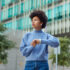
{"x":33,"y":43}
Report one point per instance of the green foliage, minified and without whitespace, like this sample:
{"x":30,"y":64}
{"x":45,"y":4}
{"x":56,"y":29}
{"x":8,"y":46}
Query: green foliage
{"x":5,"y":45}
{"x":64,"y":56}
{"x":2,"y":28}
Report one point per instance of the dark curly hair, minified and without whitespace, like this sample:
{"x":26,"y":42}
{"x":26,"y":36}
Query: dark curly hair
{"x":41,"y":15}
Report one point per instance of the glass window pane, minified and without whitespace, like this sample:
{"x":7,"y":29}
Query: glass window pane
{"x":1,"y":15}
{"x":26,"y":6}
{"x":59,"y":12}
{"x":10,"y":12}
{"x":3,"y":2}
{"x":38,"y":3}
{"x":41,"y":3}
{"x":7,"y":1}
{"x":49,"y":1}
{"x":16,"y":10}
{"x":6,"y":13}
{"x":32,"y":3}
{"x":14,"y":25}
{"x":55,"y":10}
{"x":69,"y":9}
{"x":8,"y":24}
{"x":35,"y":3}
{"x":49,"y":14}
{"x":66,"y":9}
{"x":22,"y":4}
{"x":45,"y":2}
{"x":20,"y":23}
{"x":30,"y":24}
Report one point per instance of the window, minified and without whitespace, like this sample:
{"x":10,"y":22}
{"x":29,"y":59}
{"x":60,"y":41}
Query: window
{"x":32,"y":3}
{"x":38,"y":3}
{"x":16,"y":10}
{"x":49,"y":1}
{"x":41,"y":3}
{"x":7,"y":1}
{"x":20,"y":23}
{"x":66,"y":9}
{"x":3,"y":3}
{"x":21,"y":10}
{"x":59,"y":12}
{"x":26,"y":6}
{"x":30,"y":24}
{"x":14,"y":24}
{"x":10,"y":12}
{"x":55,"y":12}
{"x":1,"y":15}
{"x":24,"y":22}
{"x":6,"y":14}
{"x":45,"y":2}
{"x":49,"y":14}
{"x":35,"y":4}
{"x":32,"y":6}
{"x":8,"y":24}
{"x":69,"y":9}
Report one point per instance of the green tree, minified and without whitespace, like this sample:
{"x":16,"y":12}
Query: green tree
{"x":64,"y":56}
{"x":5,"y":45}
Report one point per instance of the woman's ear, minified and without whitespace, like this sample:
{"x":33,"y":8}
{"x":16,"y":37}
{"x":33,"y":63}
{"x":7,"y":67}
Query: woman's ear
{"x":41,"y":23}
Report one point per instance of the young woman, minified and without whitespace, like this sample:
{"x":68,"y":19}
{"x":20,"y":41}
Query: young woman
{"x":34,"y":45}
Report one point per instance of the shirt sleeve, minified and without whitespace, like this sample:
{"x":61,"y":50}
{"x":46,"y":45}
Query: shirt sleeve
{"x":52,"y":41}
{"x":24,"y":48}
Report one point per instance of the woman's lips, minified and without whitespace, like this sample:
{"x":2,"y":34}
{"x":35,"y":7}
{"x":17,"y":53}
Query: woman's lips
{"x":32,"y":24}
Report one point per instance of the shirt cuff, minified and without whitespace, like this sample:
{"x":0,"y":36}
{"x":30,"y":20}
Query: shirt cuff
{"x":43,"y":41}
{"x":40,"y":40}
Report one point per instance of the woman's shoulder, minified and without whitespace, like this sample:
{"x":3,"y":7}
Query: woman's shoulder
{"x":27,"y":34}
{"x":48,"y":34}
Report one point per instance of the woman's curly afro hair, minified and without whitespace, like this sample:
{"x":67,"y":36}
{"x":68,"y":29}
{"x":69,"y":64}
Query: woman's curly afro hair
{"x":41,"y":15}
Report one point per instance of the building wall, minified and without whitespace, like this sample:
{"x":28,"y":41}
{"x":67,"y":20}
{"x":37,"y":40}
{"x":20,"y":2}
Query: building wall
{"x":59,"y":18}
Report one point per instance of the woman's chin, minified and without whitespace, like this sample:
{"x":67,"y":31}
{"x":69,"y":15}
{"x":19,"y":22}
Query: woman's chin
{"x":33,"y":26}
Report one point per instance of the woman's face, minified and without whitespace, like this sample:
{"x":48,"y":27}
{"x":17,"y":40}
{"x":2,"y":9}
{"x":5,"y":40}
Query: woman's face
{"x":36,"y":23}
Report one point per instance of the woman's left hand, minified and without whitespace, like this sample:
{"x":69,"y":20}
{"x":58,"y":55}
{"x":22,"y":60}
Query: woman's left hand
{"x":37,"y":41}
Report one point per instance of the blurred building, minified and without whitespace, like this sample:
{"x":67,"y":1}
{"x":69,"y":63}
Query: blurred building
{"x":59,"y":17}
{"x":15,"y":14}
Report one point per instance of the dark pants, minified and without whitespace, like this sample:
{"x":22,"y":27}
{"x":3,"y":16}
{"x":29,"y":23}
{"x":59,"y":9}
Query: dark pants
{"x":36,"y":65}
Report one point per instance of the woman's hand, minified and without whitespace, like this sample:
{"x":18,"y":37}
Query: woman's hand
{"x":35,"y":42}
